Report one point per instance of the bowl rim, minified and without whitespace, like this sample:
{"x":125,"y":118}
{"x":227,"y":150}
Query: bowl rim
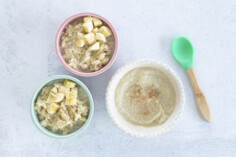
{"x":136,"y":64}
{"x":58,"y":49}
{"x":35,"y":118}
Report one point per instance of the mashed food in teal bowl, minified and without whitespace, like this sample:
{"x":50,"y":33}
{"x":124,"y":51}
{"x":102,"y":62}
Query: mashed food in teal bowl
{"x":62,"y":107}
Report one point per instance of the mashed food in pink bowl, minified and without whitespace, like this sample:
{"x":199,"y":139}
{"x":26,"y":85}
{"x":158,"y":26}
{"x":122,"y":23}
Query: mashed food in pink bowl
{"x":87,"y":45}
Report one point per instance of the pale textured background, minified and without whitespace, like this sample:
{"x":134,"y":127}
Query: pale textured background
{"x":146,"y":30}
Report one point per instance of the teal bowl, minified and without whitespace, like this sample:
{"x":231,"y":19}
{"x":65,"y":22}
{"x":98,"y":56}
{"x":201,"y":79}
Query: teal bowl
{"x":48,"y":132}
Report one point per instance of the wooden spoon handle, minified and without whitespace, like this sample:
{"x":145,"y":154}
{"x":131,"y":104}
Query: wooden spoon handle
{"x":200,"y":98}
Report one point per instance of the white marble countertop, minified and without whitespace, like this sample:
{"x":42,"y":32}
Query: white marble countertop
{"x":145,"y":30}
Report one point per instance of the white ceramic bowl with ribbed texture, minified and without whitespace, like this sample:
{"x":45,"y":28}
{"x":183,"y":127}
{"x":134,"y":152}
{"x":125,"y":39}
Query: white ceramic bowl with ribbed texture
{"x":140,"y":131}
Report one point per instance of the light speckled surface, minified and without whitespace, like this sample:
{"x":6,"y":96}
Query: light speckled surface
{"x":145,"y":30}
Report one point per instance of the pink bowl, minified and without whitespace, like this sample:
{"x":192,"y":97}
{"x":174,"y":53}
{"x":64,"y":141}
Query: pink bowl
{"x":58,"y":47}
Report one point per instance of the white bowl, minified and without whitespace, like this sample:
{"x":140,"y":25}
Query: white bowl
{"x":140,"y":131}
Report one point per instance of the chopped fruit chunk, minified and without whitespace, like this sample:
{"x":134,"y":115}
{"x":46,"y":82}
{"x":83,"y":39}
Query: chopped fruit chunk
{"x":69,"y":84}
{"x":80,"y":35}
{"x":94,"y":47}
{"x":75,"y":90}
{"x":70,"y":95}
{"x":56,"y":85}
{"x":105,"y":31}
{"x":100,"y":37}
{"x":81,"y":42}
{"x":52,"y":97}
{"x":87,"y":18}
{"x":71,"y":98}
{"x":88,"y":26}
{"x":53,"y":108}
{"x":90,"y":38}
{"x":70,"y":101}
{"x":95,"y":30}
{"x":63,"y":89}
{"x":97,"y":22}
{"x":59,"y":97}
{"x":54,"y":90}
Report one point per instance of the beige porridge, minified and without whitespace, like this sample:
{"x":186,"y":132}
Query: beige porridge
{"x":62,"y":107}
{"x":145,"y":96}
{"x":87,"y":44}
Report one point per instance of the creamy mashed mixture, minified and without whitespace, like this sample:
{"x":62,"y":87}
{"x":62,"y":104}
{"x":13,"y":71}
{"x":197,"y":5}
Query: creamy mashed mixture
{"x":145,"y":96}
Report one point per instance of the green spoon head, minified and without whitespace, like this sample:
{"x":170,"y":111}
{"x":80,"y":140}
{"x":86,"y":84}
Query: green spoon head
{"x":183,"y":52}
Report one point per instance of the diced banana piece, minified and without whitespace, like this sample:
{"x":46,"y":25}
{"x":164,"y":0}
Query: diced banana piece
{"x":75,"y":90}
{"x":70,"y":95}
{"x":53,"y":107}
{"x":97,"y":22}
{"x":105,"y":31}
{"x":51,"y":98}
{"x":70,"y":101}
{"x":80,"y":35}
{"x":71,"y":98}
{"x":87,"y":18}
{"x":56,"y":85}
{"x":95,"y":30}
{"x":90,"y":38}
{"x":54,"y":90}
{"x":52,"y":95}
{"x":100,"y":37}
{"x":81,"y":42}
{"x":60,"y":97}
{"x":86,"y":59}
{"x":63,"y":89}
{"x":69,"y":84}
{"x":40,"y":103}
{"x":88,"y":26}
{"x":94,"y":47}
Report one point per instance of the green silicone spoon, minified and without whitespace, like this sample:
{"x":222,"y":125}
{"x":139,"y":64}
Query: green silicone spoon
{"x":183,"y":52}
